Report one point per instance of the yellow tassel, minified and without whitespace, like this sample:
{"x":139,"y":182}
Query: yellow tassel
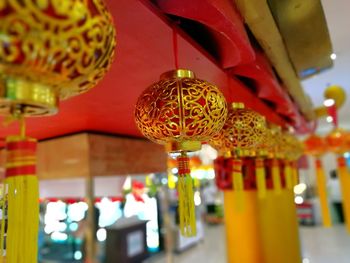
{"x":276,"y":177}
{"x":238,"y":184}
{"x":288,"y":177}
{"x":322,"y":194}
{"x":260,"y":177}
{"x":22,"y":203}
{"x":3,"y":220}
{"x":295,"y":174}
{"x":344,"y":179}
{"x":186,"y":198}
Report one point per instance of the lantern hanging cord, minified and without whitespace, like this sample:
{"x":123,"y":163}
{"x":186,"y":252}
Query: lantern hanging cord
{"x":175,"y":48}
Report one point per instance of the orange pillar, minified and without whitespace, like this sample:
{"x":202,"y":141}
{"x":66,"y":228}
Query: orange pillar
{"x":242,"y":229}
{"x":344,"y":179}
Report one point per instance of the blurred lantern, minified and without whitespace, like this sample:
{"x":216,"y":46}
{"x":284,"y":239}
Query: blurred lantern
{"x":240,"y":137}
{"x":316,"y":146}
{"x":180,"y":111}
{"x":49,"y":50}
{"x":265,"y":147}
{"x":291,"y":150}
{"x":337,"y":142}
{"x":275,"y":155}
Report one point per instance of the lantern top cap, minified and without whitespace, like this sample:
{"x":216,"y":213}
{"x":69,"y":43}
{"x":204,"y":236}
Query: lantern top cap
{"x":178,"y":73}
{"x":237,"y":105}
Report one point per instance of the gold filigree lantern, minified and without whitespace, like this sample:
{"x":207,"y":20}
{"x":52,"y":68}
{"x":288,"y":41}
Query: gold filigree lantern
{"x":240,"y":137}
{"x":181,"y":111}
{"x":49,"y":50}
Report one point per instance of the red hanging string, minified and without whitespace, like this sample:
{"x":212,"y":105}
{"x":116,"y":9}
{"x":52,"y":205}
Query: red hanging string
{"x":332,"y":111}
{"x":175,"y":49}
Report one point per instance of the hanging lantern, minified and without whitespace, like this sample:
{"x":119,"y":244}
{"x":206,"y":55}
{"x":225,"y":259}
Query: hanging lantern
{"x":181,"y":111}
{"x":291,"y":151}
{"x":275,"y":155}
{"x":240,"y":137}
{"x":316,"y":146}
{"x":49,"y":51}
{"x":264,"y":150}
{"x":337,"y":143}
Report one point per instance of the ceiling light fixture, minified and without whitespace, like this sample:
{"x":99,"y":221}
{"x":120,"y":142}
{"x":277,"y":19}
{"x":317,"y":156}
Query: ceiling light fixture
{"x":329,"y":119}
{"x":333,"y":56}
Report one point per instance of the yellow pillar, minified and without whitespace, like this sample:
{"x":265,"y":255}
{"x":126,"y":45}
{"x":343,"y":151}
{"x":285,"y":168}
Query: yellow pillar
{"x":242,"y":229}
{"x":279,"y":228}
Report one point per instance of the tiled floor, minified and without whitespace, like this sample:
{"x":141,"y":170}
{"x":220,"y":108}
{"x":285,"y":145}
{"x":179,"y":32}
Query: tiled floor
{"x":319,"y":245}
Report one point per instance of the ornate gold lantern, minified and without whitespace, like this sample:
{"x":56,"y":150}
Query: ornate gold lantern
{"x":316,"y":146}
{"x":263,"y":152}
{"x":180,"y":111}
{"x":275,"y":155}
{"x":291,"y":150}
{"x":49,"y":50}
{"x":241,"y":135}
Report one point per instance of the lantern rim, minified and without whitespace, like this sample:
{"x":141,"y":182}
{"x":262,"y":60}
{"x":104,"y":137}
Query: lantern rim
{"x":32,"y":98}
{"x":178,"y":74}
{"x":237,"y":105}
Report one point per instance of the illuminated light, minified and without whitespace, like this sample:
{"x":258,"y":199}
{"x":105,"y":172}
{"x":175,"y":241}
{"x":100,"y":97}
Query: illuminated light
{"x":298,"y":200}
{"x":329,"y":119}
{"x":127,"y":183}
{"x":328,"y":102}
{"x":306,"y":260}
{"x":76,"y":212}
{"x":174,"y":170}
{"x":211,"y":174}
{"x":58,"y":236}
{"x":197,"y":198}
{"x":299,"y":188}
{"x":78,"y":255}
{"x":73,"y":227}
{"x":347,"y":155}
{"x":333,"y":56}
{"x":164,"y":181}
{"x":101,"y":234}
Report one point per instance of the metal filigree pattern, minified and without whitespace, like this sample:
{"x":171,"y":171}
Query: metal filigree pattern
{"x":242,"y":133}
{"x":65,"y":44}
{"x":180,"y":109}
{"x":290,"y":147}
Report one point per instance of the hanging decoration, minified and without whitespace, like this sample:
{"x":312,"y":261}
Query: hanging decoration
{"x":240,"y":137}
{"x":291,"y":150}
{"x":181,"y":111}
{"x":316,"y":147}
{"x":262,"y":152}
{"x":49,"y":51}
{"x":275,"y":157}
{"x":337,"y":143}
{"x":22,"y":200}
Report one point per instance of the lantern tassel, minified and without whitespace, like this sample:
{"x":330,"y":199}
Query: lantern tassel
{"x":295,"y":174}
{"x":23,"y":196}
{"x":260,"y":177}
{"x":322,"y":194}
{"x":276,"y":177}
{"x":238,"y":184}
{"x":344,"y":179}
{"x":288,"y":176}
{"x":186,"y":198}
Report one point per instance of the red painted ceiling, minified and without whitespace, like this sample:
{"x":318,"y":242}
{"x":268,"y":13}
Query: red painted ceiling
{"x":144,"y":51}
